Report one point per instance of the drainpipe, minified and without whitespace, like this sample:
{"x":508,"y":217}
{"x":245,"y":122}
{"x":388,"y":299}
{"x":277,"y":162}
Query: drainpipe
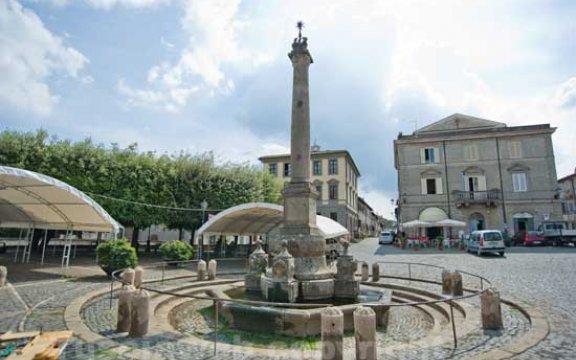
{"x":501,"y":183}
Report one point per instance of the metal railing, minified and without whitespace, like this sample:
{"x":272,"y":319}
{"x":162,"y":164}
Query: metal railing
{"x":483,"y":283}
{"x":476,"y":196}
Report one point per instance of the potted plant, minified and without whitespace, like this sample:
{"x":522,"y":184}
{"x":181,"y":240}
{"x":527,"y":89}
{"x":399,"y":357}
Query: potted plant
{"x":416,"y":246}
{"x":116,"y":254}
{"x":176,"y":250}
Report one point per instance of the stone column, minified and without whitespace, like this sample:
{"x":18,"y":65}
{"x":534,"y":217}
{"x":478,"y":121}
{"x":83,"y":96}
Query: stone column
{"x":446,"y":282}
{"x":364,"y":270}
{"x":491,"y":310}
{"x":365,"y":333}
{"x":332,"y":329}
{"x":138,"y":276}
{"x":128,"y":276}
{"x":3,"y":275}
{"x":375,"y":272}
{"x":201,"y":270}
{"x":212,"y":269}
{"x":124,"y":308}
{"x":457,"y":287}
{"x":140,"y":314}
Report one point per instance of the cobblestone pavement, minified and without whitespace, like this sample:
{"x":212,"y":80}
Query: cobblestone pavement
{"x":538,"y":276}
{"x":542,"y":276}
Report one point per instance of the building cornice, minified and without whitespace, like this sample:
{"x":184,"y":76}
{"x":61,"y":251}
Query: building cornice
{"x":313,"y":155}
{"x":470,"y":134}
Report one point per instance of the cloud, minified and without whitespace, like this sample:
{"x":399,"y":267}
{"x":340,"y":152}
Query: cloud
{"x":566,"y":94}
{"x":29,"y":55}
{"x":109,"y":4}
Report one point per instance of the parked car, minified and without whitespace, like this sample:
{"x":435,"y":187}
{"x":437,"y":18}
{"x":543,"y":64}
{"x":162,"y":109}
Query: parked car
{"x":528,"y":238}
{"x":386,"y":237}
{"x":486,"y":241}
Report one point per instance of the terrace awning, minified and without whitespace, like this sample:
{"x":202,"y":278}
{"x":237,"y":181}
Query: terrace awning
{"x":260,"y":218}
{"x":29,"y":199}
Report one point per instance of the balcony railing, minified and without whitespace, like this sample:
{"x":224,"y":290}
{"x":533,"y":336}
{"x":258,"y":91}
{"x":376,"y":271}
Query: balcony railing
{"x":465,"y":198}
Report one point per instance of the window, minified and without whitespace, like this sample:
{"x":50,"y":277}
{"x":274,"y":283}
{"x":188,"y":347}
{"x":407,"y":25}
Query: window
{"x":429,"y":155}
{"x":515,"y":149}
{"x":273,"y":169}
{"x":287,"y":169}
{"x":471,"y":153}
{"x":432,"y":186}
{"x":334,"y":216}
{"x":333,"y":191}
{"x":319,"y":191}
{"x":333,"y":166}
{"x":317,"y":167}
{"x":519,"y":182}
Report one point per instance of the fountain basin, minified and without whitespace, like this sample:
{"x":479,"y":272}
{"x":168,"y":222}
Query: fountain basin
{"x":298,"y":322}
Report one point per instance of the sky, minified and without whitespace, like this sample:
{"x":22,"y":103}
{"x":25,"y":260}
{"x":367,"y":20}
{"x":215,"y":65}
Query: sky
{"x":213,"y":75}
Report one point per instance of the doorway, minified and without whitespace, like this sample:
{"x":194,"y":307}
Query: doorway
{"x":476,"y":222}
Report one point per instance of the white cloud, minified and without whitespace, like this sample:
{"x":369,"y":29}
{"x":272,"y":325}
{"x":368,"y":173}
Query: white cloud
{"x":212,"y":27}
{"x":109,"y":4}
{"x":29,"y":55}
{"x":566,"y":94}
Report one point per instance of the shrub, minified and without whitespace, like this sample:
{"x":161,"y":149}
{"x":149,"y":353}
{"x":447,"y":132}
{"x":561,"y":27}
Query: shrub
{"x":176,"y":250}
{"x":116,"y":254}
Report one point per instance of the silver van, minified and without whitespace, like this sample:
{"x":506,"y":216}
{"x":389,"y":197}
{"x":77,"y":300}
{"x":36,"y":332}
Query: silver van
{"x":486,"y":241}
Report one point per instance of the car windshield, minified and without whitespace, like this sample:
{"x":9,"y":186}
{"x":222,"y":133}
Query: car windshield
{"x":385,"y":234}
{"x":492,"y":236}
{"x":533,"y":233}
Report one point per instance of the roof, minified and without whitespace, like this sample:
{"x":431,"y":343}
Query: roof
{"x":30,"y":199}
{"x":260,"y":218}
{"x":314,"y":154}
{"x":567,"y":177}
{"x":459,"y":122}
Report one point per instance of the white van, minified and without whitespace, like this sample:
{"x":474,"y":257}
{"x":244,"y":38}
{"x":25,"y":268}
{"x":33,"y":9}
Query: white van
{"x":485,"y":241}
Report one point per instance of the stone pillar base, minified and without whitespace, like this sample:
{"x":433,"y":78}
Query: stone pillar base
{"x":252,"y":282}
{"x":347,"y":289}
{"x":276,"y":291}
{"x":316,"y":289}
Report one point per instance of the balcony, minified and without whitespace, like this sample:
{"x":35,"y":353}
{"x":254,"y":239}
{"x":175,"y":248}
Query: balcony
{"x":489,"y":198}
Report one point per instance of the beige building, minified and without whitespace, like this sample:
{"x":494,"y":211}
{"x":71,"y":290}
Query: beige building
{"x":335,"y":177}
{"x":567,"y":187}
{"x":369,"y":223}
{"x":485,"y":173}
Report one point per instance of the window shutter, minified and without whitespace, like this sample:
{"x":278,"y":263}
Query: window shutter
{"x":424,"y":187}
{"x":481,"y":183}
{"x":439,"y":186}
{"x":436,"y":155}
{"x":422,"y":156}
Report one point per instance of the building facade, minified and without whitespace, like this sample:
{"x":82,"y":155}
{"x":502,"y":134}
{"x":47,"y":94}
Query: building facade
{"x":482,"y":172}
{"x":567,"y":187}
{"x":335,"y":178}
{"x":369,"y":223}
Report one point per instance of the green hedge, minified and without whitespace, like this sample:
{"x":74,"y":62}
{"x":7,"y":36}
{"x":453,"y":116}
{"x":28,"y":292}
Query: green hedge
{"x":116,"y":254}
{"x":176,"y":250}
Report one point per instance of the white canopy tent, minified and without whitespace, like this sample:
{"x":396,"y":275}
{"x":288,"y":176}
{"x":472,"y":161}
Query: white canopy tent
{"x":260,"y":218}
{"x":29,"y":200}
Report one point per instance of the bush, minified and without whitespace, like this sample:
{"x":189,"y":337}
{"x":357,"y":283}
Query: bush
{"x":116,"y":254}
{"x":176,"y":250}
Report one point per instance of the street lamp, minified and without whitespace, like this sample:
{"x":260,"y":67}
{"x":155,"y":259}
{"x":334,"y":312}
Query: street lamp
{"x":203,"y":207}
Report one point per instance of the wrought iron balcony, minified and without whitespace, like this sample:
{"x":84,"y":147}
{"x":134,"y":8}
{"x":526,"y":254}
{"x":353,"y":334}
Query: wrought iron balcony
{"x":467,"y":198}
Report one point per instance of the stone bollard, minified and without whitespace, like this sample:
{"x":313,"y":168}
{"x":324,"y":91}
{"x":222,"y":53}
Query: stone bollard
{"x":128,"y":276}
{"x":446,"y":282}
{"x":457,"y":287}
{"x":364,"y":270}
{"x":375,"y":272}
{"x":140,"y":314}
{"x":212,"y":264}
{"x":138,"y":276}
{"x":365,"y":333}
{"x":3,"y":275}
{"x":332,"y":329}
{"x":124,"y":308}
{"x":491,"y":310}
{"x":201,"y":270}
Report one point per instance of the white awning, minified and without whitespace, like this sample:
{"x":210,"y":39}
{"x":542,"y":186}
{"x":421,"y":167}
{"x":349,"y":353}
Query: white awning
{"x":432,"y":214}
{"x":29,"y":199}
{"x":260,"y":218}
